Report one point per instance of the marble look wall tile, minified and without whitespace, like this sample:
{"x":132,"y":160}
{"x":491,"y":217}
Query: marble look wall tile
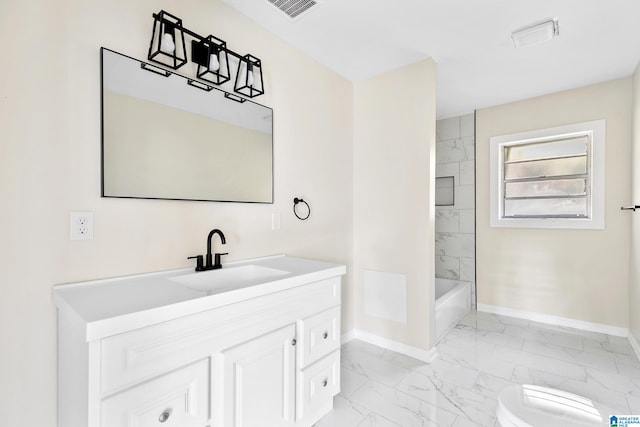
{"x":467,"y":172}
{"x":453,"y":150}
{"x":447,"y":220}
{"x":468,"y":269}
{"x":449,"y":169}
{"x":451,"y":244}
{"x":467,"y":220}
{"x":448,"y":128}
{"x":447,"y":267}
{"x":465,"y":197}
{"x":469,"y":147}
{"x":455,"y":153}
{"x":467,"y":126}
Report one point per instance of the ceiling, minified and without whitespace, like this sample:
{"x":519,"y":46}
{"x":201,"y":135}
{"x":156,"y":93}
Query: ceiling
{"x":470,"y":40}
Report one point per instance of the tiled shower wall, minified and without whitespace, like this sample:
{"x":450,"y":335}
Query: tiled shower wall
{"x":455,"y":225}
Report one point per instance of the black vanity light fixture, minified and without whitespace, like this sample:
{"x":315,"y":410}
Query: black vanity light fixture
{"x":167,"y":45}
{"x":249,"y":77}
{"x":211,"y":54}
{"x":212,"y":59}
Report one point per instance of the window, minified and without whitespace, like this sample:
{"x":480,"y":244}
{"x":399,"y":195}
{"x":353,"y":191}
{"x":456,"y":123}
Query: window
{"x":549,"y":178}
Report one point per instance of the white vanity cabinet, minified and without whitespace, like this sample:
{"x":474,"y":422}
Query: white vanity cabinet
{"x":264,"y":357}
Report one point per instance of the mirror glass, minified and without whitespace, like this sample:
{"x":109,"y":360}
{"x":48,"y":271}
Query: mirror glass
{"x":163,"y":137}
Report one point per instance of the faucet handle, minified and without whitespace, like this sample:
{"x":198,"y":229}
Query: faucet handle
{"x":199,"y":262}
{"x":217,"y":264}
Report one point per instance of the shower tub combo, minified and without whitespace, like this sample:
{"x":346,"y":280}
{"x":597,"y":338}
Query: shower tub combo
{"x":453,"y":302}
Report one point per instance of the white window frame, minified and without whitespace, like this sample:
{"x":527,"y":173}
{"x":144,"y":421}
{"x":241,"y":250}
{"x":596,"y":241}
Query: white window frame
{"x":596,"y":132}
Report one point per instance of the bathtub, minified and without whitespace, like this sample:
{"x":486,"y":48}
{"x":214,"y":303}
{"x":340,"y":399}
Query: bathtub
{"x":453,"y":302}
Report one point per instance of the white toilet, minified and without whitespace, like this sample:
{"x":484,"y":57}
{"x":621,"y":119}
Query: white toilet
{"x":530,"y":405}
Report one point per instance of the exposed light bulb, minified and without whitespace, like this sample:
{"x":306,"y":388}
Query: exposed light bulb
{"x":167,"y":45}
{"x":214,"y":64}
{"x":250,"y":77}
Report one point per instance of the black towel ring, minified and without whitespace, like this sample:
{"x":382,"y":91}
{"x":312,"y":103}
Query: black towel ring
{"x":295,"y":212}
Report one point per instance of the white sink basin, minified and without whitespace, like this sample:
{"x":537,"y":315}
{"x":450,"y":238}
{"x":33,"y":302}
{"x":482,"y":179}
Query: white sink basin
{"x":228,"y":278}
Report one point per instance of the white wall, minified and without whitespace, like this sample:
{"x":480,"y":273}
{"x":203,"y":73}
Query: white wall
{"x":576,"y":274}
{"x":634,"y":263}
{"x":394,"y":174}
{"x":50,"y":165}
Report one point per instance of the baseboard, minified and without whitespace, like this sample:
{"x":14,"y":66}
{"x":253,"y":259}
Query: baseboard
{"x":347,"y":336}
{"x":634,"y":345}
{"x":556,"y":320}
{"x":417,"y":353}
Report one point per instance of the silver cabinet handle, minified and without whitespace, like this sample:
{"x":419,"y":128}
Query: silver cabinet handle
{"x":294,"y":342}
{"x":165,"y":415}
{"x":325,"y":335}
{"x":324,"y":383}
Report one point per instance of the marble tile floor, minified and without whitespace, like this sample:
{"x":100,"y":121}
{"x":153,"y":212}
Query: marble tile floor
{"x":483,"y":354}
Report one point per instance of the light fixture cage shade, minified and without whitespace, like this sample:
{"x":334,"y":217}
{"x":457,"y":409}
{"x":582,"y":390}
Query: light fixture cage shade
{"x":214,"y":45}
{"x":165,"y":23}
{"x":243,"y":85}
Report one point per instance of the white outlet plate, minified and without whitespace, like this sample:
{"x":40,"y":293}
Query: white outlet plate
{"x":81,"y":225}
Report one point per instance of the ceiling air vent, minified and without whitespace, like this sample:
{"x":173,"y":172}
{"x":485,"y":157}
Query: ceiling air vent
{"x":294,"y":8}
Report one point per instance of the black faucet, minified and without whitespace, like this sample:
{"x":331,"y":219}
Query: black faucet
{"x":209,"y":264}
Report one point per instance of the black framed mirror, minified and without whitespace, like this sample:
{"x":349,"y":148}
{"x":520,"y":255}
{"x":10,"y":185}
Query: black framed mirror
{"x":166,"y":136}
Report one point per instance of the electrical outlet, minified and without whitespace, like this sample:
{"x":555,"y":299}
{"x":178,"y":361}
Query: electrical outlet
{"x":81,"y":225}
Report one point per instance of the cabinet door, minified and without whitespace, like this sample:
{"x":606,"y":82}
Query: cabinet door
{"x":258,"y":381}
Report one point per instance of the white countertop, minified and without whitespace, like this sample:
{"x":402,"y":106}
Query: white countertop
{"x":111,"y":306}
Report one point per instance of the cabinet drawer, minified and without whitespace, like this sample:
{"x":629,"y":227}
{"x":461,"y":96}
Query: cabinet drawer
{"x":178,"y":399}
{"x":317,"y":384}
{"x":319,"y":335}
